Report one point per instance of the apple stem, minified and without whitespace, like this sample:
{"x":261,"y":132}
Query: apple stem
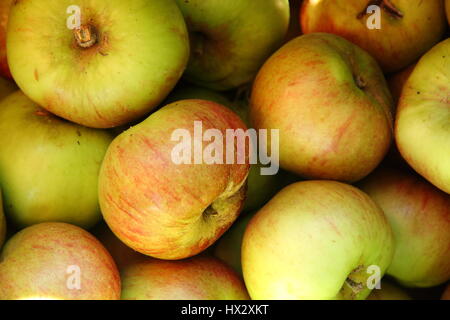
{"x":86,"y":36}
{"x":386,"y":5}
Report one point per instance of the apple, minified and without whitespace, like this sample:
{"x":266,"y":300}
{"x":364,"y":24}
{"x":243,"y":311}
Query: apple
{"x":398,"y":80}
{"x":260,"y":188}
{"x":388,"y":291}
{"x":230,"y":40}
{"x":2,"y":223}
{"x":55,"y":261}
{"x":97,"y":63}
{"x":4,"y":13}
{"x":122,"y":255}
{"x":48,"y":166}
{"x":422,"y":132}
{"x":316,"y":240}
{"x":419,"y":215}
{"x":6,"y":87}
{"x":332,"y":107}
{"x":163,"y":207}
{"x":446,"y":294}
{"x":228,"y":247}
{"x":198,"y":278}
{"x":406,"y":30}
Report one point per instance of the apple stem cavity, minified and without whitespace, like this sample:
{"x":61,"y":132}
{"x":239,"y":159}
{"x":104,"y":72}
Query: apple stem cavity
{"x":210,"y":211}
{"x":386,"y":5}
{"x":85,"y":35}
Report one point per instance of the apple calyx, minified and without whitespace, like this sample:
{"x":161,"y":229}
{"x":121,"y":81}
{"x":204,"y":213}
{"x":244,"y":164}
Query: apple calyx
{"x":354,"y":283}
{"x":85,"y":35}
{"x":210,"y":211}
{"x":386,"y":5}
{"x":360,"y":82}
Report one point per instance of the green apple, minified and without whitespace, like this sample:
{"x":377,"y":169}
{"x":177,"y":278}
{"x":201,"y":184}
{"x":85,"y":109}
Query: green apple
{"x":422,"y":131}
{"x":316,"y":240}
{"x":94,"y":62}
{"x":163,"y":207}
{"x":6,"y":87}
{"x":4,"y":14}
{"x":2,"y":223}
{"x":420,"y":218}
{"x":231,"y":39}
{"x":332,"y":107}
{"x":122,"y":255}
{"x":396,"y":35}
{"x":56,"y":261}
{"x":48,"y":166}
{"x":388,"y":291}
{"x":198,"y":278}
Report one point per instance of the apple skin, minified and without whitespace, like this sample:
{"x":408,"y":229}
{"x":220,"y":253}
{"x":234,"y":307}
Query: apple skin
{"x":34,"y":265}
{"x":122,"y":255}
{"x":446,"y":294}
{"x":312,"y":241}
{"x":421,"y":131}
{"x":162,"y":209}
{"x":4,"y":13}
{"x":329,"y":127}
{"x":388,"y":291}
{"x":419,"y":215}
{"x":197,"y":278}
{"x":141,"y":52}
{"x":230,"y":40}
{"x":398,"y":43}
{"x":48,"y":166}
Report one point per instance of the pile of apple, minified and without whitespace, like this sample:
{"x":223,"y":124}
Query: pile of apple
{"x":94,"y":206}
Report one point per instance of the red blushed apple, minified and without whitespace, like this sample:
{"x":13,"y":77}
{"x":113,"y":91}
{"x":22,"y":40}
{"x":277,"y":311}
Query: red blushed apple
{"x":4,"y":13}
{"x":419,"y":215}
{"x":198,"y":278}
{"x":163,"y":207}
{"x":406,"y":30}
{"x":57,"y":261}
{"x":332,"y":107}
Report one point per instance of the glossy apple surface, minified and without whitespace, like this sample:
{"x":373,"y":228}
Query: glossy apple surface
{"x":198,"y":278}
{"x":48,"y":166}
{"x":231,"y":39}
{"x":419,"y":215}
{"x":422,"y":132}
{"x":168,"y":210}
{"x":120,"y":63}
{"x":43,"y":261}
{"x":316,"y":240}
{"x":408,"y":28}
{"x":388,"y":291}
{"x":332,"y":107}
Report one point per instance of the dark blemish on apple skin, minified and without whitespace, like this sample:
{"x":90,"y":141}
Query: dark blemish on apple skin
{"x":78,"y":133}
{"x":78,"y":142}
{"x":36,"y":75}
{"x":418,"y":92}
